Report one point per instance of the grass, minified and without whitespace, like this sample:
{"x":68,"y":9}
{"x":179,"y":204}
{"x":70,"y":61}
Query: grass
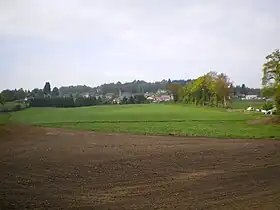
{"x":4,"y":118}
{"x":244,"y":104}
{"x":152,"y":119}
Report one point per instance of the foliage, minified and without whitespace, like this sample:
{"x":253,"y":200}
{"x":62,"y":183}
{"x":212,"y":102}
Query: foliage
{"x":47,"y":89}
{"x":210,"y":89}
{"x":155,"y":119}
{"x":55,"y":92}
{"x":136,"y":86}
{"x":67,"y":90}
{"x":271,"y":76}
{"x":52,"y":102}
{"x":12,"y":106}
{"x":175,"y":89}
{"x":139,"y":99}
{"x":267,"y":91}
{"x":271,"y":69}
{"x":124,"y":100}
{"x":12,"y":95}
{"x":131,"y":100}
{"x":243,"y":90}
{"x":1,"y":99}
{"x":268,"y":105}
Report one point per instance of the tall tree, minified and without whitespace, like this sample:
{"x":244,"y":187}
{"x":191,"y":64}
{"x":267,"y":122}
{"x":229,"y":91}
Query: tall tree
{"x":20,"y":94}
{"x":223,"y":88}
{"x":271,"y":70}
{"x":55,"y":92}
{"x":243,"y":89}
{"x":1,"y":99}
{"x":271,"y":76}
{"x":175,"y":90}
{"x":47,"y":88}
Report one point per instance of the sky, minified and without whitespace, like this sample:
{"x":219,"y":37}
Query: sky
{"x":91,"y":42}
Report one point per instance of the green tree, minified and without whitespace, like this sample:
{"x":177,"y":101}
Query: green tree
{"x":20,"y":94}
{"x":8,"y":95}
{"x":124,"y":100}
{"x":131,"y":100}
{"x":174,"y":89}
{"x":1,"y":99}
{"x":271,"y":70}
{"x":210,"y":89}
{"x":243,"y":89}
{"x":55,"y":92}
{"x":47,"y":89}
{"x":223,"y":89}
{"x":271,"y":76}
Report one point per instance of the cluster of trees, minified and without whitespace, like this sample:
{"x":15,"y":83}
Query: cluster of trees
{"x":82,"y":101}
{"x":79,"y":89}
{"x":13,"y":95}
{"x":51,"y":98}
{"x":210,"y":89}
{"x":242,"y":90}
{"x":136,"y":99}
{"x":20,"y":94}
{"x":137,"y":86}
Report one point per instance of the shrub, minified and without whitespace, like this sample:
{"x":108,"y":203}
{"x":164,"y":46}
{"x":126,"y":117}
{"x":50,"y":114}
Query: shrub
{"x":268,"y":105}
{"x":16,"y":107}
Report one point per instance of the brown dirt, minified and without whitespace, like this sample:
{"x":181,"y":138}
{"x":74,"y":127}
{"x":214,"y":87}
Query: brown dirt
{"x":274,"y":120}
{"x":53,"y":168}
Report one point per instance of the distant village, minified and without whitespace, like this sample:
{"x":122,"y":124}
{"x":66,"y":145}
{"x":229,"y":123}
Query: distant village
{"x":158,"y":97}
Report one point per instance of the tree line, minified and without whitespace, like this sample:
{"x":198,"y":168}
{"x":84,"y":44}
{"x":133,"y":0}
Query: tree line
{"x":132,"y":87}
{"x":83,"y":101}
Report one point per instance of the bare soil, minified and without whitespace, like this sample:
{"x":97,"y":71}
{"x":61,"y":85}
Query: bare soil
{"x":65,"y":169}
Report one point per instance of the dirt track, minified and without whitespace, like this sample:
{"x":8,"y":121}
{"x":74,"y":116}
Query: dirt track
{"x":52,"y":168}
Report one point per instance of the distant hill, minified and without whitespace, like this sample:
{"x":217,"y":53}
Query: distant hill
{"x":136,"y":86}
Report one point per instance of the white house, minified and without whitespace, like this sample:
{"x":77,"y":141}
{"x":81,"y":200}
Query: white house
{"x":248,"y":97}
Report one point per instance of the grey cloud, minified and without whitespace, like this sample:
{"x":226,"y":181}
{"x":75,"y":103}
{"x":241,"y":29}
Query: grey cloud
{"x":148,"y":39}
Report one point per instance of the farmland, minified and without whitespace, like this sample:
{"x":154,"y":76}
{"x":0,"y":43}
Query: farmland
{"x":48,"y":168}
{"x":152,"y":119}
{"x":243,"y":104}
{"x":111,"y":168}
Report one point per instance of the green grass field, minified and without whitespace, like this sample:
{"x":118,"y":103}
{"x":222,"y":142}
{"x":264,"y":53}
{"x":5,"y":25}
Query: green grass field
{"x":152,"y":119}
{"x":244,"y":104}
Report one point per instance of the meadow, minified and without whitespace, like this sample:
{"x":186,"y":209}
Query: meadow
{"x":244,"y":104}
{"x":150,"y":119}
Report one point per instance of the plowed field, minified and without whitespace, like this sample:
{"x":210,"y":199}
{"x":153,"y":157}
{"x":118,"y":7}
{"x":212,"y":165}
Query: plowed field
{"x":56,"y":168}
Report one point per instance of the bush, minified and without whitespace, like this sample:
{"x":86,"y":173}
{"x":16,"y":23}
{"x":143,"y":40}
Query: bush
{"x":16,"y":108}
{"x":268,"y":105}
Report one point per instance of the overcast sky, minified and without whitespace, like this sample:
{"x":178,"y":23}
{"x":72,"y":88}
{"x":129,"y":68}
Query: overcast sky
{"x":90,"y":42}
